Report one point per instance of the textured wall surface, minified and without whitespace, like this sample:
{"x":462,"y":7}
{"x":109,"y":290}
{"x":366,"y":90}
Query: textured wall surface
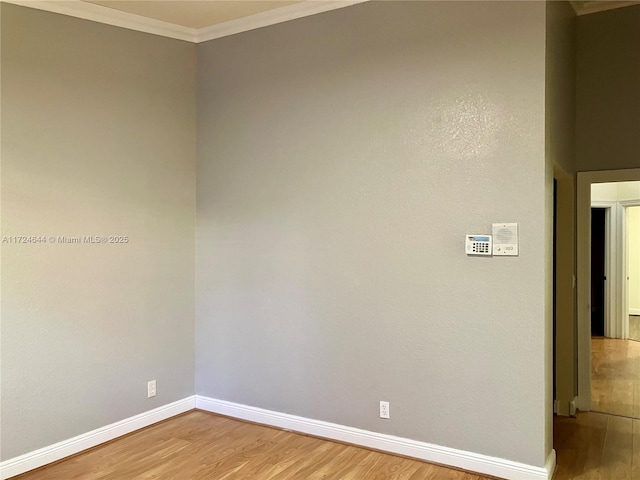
{"x":341,"y":160}
{"x":608,"y":97}
{"x":98,"y":138}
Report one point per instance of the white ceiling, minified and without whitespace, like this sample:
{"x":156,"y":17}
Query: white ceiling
{"x":202,"y":20}
{"x":193,"y":21}
{"x":194,"y":14}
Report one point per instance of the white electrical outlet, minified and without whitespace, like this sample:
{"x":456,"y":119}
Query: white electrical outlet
{"x":151,"y":389}
{"x":384,"y":409}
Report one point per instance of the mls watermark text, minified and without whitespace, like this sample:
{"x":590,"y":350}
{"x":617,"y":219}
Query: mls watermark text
{"x":66,"y":239}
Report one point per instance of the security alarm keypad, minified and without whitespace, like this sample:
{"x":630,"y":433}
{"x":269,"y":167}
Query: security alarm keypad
{"x":478,"y":245}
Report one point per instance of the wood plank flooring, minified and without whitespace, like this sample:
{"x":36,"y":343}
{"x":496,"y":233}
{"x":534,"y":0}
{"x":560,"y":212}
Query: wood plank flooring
{"x":597,"y":446}
{"x":200,"y":445}
{"x":615,"y":376}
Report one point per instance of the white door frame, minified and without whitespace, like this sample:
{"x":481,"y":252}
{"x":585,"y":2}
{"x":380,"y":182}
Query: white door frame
{"x":620,"y":296}
{"x":583,"y":207}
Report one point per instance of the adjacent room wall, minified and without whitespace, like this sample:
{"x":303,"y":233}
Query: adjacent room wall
{"x":604,"y":192}
{"x":608,"y":97}
{"x":341,"y":160}
{"x":615,"y":191}
{"x":98,"y":139}
{"x":628,"y":191}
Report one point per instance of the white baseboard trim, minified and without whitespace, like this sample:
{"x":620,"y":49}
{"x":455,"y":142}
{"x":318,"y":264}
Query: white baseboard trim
{"x":634,"y":311}
{"x":573,"y":407}
{"x":565,"y":409}
{"x":581,"y":404}
{"x":43,"y":456}
{"x":550,"y":465}
{"x":474,"y":462}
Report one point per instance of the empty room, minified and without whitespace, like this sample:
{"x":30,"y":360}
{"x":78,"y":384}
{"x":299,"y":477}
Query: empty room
{"x":306,"y":239}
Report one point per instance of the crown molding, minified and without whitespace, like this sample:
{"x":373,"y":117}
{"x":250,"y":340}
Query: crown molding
{"x":117,"y":18}
{"x":587,"y":7}
{"x":110,"y":16}
{"x":271,"y":17}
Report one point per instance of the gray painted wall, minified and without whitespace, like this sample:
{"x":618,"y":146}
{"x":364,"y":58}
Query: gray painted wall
{"x":608,"y":97}
{"x":341,"y":160}
{"x":98,"y":138}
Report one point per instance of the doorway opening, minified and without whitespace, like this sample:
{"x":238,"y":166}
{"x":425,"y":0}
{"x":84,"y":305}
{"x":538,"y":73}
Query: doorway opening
{"x":598,"y":270}
{"x":604,"y":283}
{"x":614,"y":374}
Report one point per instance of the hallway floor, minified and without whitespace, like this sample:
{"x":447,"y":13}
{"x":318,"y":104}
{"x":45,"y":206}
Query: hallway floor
{"x":615,"y":376}
{"x":604,"y":444}
{"x":597,"y":446}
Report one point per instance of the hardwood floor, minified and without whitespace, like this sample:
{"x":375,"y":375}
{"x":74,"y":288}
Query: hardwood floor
{"x":597,"y":446}
{"x":604,"y":444}
{"x":615,"y":376}
{"x":200,"y":445}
